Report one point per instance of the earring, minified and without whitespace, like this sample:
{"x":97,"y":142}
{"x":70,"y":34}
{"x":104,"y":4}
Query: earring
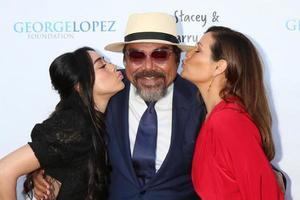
{"x":210,"y":84}
{"x":212,"y":80}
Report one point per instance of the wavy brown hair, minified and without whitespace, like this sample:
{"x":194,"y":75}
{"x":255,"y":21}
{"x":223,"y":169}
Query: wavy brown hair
{"x":244,"y":76}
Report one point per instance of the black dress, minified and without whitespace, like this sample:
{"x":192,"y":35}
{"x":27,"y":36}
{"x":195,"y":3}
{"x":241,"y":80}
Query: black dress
{"x":63,"y":144}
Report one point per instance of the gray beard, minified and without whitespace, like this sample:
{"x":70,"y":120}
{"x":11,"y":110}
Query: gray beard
{"x":151,"y":94}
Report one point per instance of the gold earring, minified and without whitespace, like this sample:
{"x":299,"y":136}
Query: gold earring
{"x":210,"y":84}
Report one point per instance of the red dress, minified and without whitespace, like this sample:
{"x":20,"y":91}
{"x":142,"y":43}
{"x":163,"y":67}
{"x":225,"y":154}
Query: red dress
{"x":229,"y":162}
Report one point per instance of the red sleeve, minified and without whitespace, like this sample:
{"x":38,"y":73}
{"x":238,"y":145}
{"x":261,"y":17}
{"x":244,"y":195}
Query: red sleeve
{"x":239,"y":140}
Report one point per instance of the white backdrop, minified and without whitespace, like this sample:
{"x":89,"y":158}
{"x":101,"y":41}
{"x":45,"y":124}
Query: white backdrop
{"x":34,"y":32}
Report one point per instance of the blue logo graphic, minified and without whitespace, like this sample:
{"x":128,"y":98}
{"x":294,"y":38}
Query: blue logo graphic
{"x":64,"y":26}
{"x":293,"y":24}
{"x":61,"y":29}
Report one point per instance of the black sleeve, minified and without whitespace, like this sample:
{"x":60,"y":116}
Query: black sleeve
{"x":61,"y":139}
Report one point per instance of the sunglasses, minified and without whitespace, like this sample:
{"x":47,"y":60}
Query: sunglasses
{"x":157,"y":56}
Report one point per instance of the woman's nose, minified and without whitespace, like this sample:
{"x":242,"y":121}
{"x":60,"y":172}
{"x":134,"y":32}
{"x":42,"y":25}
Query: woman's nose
{"x":112,"y":67}
{"x":189,"y":53}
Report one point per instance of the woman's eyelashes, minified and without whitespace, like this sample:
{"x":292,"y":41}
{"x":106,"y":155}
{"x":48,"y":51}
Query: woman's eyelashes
{"x":198,"y":49}
{"x":102,"y":63}
{"x":102,"y":66}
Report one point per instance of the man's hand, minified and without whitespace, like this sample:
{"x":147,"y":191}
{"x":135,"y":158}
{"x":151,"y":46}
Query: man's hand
{"x":41,"y":186}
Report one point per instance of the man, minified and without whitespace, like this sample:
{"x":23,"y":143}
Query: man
{"x":151,"y":57}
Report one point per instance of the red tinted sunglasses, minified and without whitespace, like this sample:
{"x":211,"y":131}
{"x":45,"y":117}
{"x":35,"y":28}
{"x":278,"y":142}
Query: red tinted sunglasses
{"x":158,"y":56}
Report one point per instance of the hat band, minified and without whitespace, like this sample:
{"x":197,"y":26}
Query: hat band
{"x":152,"y":36}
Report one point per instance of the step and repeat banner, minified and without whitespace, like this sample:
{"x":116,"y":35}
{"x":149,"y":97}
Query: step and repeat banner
{"x":33,"y":33}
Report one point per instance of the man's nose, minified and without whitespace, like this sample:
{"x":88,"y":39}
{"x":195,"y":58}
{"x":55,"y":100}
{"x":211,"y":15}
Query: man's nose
{"x":148,"y":62}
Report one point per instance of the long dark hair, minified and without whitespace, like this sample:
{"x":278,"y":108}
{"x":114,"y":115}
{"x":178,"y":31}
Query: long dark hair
{"x":67,"y":71}
{"x":244,"y":76}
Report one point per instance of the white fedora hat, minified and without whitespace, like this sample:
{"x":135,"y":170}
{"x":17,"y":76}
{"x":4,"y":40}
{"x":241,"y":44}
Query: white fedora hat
{"x":149,"y":28}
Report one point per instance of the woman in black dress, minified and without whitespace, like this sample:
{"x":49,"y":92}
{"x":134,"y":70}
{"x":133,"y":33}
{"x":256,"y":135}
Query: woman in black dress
{"x":69,"y":145}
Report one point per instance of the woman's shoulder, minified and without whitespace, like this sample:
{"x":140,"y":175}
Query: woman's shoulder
{"x":231,"y":120}
{"x":69,"y":110}
{"x":228,"y":111}
{"x":61,"y":123}
{"x":65,"y":118}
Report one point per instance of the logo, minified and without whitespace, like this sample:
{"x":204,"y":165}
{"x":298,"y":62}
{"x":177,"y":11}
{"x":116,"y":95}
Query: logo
{"x":292,"y":25}
{"x":203,"y":19}
{"x":61,"y":29}
{"x":188,"y":38}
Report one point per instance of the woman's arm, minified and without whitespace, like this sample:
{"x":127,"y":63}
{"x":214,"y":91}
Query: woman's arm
{"x":14,"y":165}
{"x":239,"y":142}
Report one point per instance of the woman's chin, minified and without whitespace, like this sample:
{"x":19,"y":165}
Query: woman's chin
{"x":184,"y":75}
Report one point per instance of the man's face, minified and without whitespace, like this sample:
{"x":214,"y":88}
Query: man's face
{"x":151,"y":68}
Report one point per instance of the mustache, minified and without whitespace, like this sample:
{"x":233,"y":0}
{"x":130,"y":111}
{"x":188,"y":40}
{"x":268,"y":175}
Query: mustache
{"x":151,"y":73}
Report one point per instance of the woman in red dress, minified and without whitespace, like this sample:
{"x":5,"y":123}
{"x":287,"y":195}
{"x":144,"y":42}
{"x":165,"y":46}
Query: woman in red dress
{"x":234,"y":147}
